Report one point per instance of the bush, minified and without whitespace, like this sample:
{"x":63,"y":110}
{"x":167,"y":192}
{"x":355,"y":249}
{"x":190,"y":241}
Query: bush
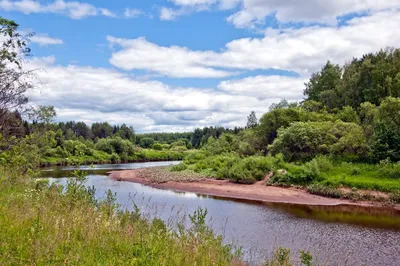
{"x":321,"y":190}
{"x":304,"y":174}
{"x":302,"y":141}
{"x":390,"y":170}
{"x":179,"y":167}
{"x":114,"y":158}
{"x":157,"y":146}
{"x":146,"y":142}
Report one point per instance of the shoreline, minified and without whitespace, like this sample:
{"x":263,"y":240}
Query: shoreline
{"x":256,"y":193}
{"x":44,"y":165}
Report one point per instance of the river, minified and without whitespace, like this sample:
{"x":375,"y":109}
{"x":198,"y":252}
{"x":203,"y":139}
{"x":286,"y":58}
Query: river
{"x":332,"y":236}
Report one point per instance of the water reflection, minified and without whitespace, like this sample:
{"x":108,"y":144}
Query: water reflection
{"x":352,"y":236}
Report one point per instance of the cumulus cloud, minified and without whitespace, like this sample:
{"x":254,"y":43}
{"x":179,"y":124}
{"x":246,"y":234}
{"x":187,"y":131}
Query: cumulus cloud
{"x":253,"y":12}
{"x":302,"y":50}
{"x":265,"y":87}
{"x":45,"y":40}
{"x":171,"y":61}
{"x":98,"y":94}
{"x":73,"y":9}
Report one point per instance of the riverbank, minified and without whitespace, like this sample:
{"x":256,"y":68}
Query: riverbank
{"x":259,"y":192}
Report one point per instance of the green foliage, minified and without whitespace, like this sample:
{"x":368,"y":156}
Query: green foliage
{"x":322,"y":85}
{"x":165,"y":138}
{"x":390,"y":170}
{"x":146,"y":142}
{"x":228,"y":166}
{"x":304,"y":174}
{"x":305,"y":140}
{"x":179,"y":167}
{"x":325,"y":191}
{"x":47,"y":224}
{"x":281,"y":258}
{"x":386,"y":136}
{"x":274,"y":120}
{"x":157,"y":146}
{"x":371,"y":78}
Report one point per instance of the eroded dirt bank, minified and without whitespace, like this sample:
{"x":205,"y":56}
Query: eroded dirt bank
{"x":161,"y":179}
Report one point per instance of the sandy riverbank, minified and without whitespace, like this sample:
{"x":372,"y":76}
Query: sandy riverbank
{"x":223,"y":188}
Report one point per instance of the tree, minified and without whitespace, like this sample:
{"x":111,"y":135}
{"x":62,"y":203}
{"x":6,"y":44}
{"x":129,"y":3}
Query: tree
{"x":323,"y":85}
{"x":386,"y":136}
{"x":272,"y":121}
{"x":252,"y":120}
{"x":102,"y":130}
{"x":196,"y":138}
{"x":305,"y":140}
{"x":82,"y":130}
{"x":14,"y":80}
{"x":42,"y":114}
{"x":126,"y":132}
{"x":146,"y":142}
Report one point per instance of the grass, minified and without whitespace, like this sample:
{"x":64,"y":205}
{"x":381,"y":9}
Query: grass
{"x":230,"y":166}
{"x":361,"y":176}
{"x":41,"y":225}
{"x":325,"y":175}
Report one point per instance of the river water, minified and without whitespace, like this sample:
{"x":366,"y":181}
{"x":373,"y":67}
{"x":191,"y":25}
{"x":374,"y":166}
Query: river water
{"x":332,"y":235}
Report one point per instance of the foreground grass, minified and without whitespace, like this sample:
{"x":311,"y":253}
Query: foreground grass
{"x":41,"y":225}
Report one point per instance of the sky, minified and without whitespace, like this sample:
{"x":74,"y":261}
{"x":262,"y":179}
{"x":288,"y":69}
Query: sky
{"x":174,"y":65}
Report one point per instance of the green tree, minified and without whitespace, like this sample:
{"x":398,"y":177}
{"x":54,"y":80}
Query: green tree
{"x":324,"y":84}
{"x":305,"y":140}
{"x":102,"y":130}
{"x":386,"y":137}
{"x":146,"y":142}
{"x":272,"y":121}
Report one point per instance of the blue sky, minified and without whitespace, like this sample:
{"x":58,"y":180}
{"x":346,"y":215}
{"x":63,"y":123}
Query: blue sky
{"x":173,"y":65}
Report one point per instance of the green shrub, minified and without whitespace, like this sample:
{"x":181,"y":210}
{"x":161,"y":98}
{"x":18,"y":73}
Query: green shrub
{"x":390,"y":170}
{"x":157,"y":146}
{"x":179,"y":167}
{"x":114,"y":158}
{"x":247,"y":170}
{"x":303,"y":174}
{"x":321,"y":190}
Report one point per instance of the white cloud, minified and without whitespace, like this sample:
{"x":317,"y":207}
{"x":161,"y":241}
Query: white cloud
{"x":99,"y":94}
{"x":172,"y":61}
{"x":253,"y":12}
{"x":302,"y":50}
{"x":132,"y":12}
{"x":44,"y":40}
{"x":170,"y":14}
{"x":266,"y":87}
{"x":193,"y":2}
{"x":73,"y":9}
{"x":321,"y":11}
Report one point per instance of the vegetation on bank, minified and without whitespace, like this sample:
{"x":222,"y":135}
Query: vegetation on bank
{"x":346,"y":133}
{"x":43,"y":224}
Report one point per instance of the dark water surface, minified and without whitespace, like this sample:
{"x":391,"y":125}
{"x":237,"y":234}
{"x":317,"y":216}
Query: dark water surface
{"x":336,"y":236}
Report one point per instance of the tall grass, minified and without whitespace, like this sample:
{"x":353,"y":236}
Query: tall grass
{"x":42,"y":224}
